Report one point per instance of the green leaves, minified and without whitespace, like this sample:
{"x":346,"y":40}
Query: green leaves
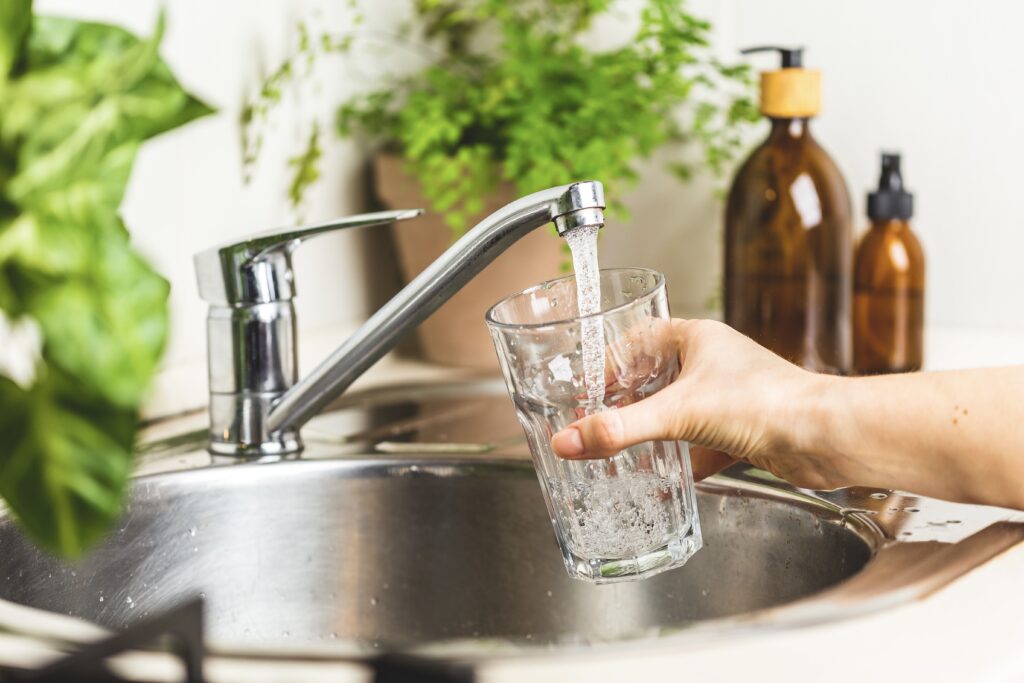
{"x":306,"y":167}
{"x":79,"y":102}
{"x":540,"y":109}
{"x":65,"y":460}
{"x":15,"y":18}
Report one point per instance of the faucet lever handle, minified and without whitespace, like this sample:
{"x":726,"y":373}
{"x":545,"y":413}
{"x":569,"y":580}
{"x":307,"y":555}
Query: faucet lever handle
{"x":258,"y":269}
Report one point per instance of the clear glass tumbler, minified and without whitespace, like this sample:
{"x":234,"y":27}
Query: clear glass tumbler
{"x":626,"y":517}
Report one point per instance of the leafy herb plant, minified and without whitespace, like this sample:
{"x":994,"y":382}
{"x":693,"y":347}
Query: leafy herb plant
{"x":511,"y":92}
{"x":83,"y":318}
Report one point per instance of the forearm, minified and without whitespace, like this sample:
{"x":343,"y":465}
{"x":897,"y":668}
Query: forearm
{"x":953,"y":435}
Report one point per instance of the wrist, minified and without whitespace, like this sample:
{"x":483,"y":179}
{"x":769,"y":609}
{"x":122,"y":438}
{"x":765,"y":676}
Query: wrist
{"x":814,"y":420}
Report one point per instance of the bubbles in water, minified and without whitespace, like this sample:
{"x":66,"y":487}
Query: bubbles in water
{"x":334,"y":636}
{"x":550,"y":594}
{"x":879,"y":496}
{"x":373,"y":602}
{"x":619,"y":516}
{"x":101,"y":598}
{"x":192,"y":531}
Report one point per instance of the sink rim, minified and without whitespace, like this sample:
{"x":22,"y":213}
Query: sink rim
{"x":876,"y":587}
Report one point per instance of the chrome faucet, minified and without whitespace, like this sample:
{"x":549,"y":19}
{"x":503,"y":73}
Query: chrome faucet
{"x":256,"y":403}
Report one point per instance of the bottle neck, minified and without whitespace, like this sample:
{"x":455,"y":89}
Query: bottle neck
{"x":894,"y":224}
{"x":790,"y":130}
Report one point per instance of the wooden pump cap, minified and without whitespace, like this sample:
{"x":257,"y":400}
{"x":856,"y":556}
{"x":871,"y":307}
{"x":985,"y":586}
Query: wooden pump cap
{"x":791,"y":93}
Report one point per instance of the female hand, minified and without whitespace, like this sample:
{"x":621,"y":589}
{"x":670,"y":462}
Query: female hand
{"x":957,"y":435}
{"x":731,"y":397}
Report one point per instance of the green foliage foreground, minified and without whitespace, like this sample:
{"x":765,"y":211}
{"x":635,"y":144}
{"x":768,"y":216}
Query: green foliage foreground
{"x":77,"y":100}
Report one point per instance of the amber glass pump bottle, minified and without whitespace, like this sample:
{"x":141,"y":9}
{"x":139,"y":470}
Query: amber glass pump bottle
{"x":788,"y":233}
{"x":888,"y":282}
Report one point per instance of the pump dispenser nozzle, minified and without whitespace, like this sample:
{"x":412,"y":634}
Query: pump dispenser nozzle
{"x":791,"y":91}
{"x":891,"y":201}
{"x":792,"y":57}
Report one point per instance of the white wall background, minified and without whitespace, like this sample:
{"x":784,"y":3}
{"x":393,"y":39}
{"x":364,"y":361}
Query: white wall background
{"x":942,"y":82}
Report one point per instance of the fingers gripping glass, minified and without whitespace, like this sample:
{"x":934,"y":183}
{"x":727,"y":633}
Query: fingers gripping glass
{"x":634,"y":514}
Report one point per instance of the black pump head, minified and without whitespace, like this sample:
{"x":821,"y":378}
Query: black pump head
{"x":890,"y":180}
{"x":792,"y":57}
{"x":890,"y":201}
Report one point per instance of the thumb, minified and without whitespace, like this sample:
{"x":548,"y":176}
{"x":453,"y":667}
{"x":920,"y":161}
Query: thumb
{"x":604,"y":434}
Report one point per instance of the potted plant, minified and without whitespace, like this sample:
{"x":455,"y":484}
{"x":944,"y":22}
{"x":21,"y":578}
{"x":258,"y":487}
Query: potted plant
{"x":514,"y":99}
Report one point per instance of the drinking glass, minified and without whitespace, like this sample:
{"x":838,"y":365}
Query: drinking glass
{"x":632,"y":515}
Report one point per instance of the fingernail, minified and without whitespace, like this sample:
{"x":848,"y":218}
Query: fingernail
{"x":568,"y":443}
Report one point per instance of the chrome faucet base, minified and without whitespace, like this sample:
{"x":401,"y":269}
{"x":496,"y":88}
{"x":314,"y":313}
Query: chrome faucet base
{"x":257,"y":404}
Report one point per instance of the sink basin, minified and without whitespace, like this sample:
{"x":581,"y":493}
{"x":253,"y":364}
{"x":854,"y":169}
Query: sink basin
{"x":400,"y":554}
{"x":415,"y":519}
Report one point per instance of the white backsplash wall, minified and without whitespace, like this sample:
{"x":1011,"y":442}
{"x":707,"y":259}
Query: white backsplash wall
{"x":942,"y":82}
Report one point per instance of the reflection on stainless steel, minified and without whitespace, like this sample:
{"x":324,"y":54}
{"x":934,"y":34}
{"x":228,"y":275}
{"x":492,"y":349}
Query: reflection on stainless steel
{"x":398,"y":554}
{"x":336,"y":553}
{"x":256,"y":405}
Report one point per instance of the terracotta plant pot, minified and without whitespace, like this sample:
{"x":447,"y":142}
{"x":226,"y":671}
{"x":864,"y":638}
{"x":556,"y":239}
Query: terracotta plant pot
{"x":456,"y":334}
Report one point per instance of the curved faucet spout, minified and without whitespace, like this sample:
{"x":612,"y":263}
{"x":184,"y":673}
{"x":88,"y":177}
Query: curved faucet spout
{"x":256,"y":405}
{"x":568,"y":207}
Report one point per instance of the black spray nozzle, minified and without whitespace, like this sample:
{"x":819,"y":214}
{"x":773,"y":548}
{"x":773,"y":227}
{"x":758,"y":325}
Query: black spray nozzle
{"x":891,"y":180}
{"x":792,"y":57}
{"x":890,"y":201}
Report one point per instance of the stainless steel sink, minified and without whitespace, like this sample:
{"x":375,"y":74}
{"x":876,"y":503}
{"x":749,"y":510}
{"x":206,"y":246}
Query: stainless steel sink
{"x":415,"y":520}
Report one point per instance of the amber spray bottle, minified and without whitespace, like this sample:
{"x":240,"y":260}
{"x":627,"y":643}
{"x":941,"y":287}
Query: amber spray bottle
{"x":888,"y":305}
{"x":788,"y":232}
